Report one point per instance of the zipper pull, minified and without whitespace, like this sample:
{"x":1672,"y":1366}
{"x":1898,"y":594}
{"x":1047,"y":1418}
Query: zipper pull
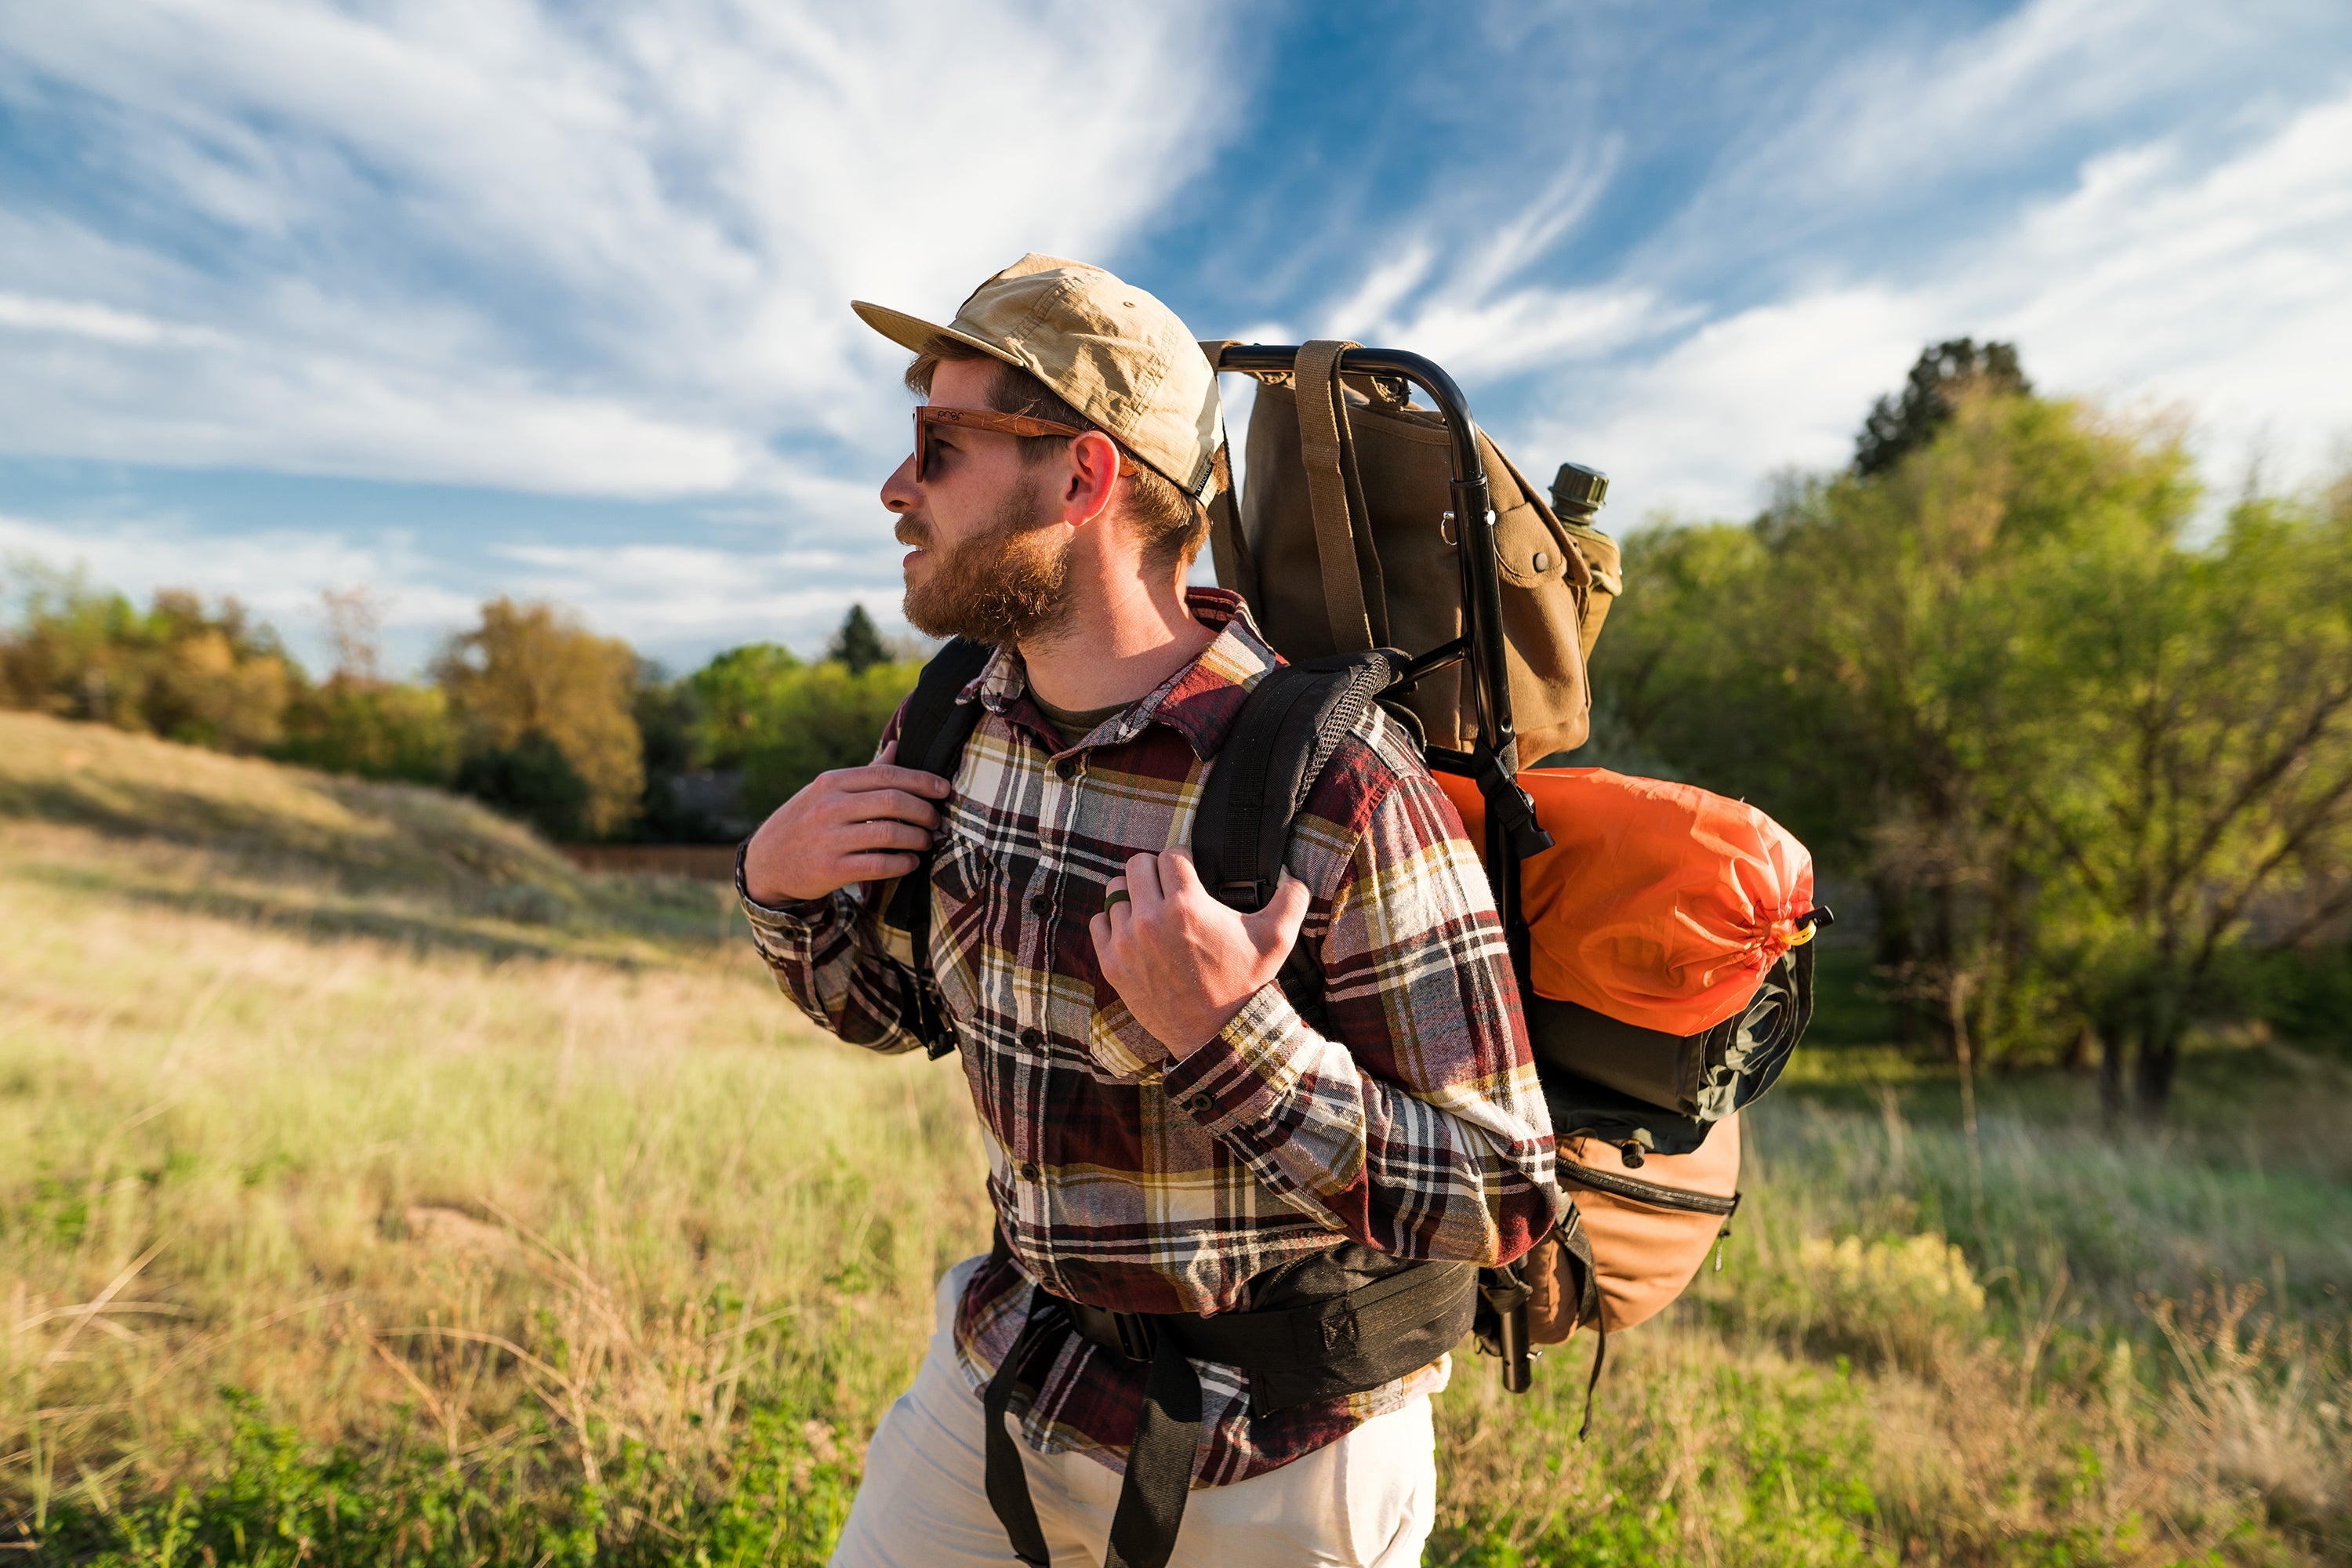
{"x":1720,"y":1236}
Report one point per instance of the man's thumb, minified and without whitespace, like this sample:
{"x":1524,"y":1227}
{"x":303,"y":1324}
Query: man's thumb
{"x":1275,"y":927}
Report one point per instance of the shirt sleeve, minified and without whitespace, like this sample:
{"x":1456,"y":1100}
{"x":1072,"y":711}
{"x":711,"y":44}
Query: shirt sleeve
{"x":1415,"y":1125}
{"x":830,"y":957}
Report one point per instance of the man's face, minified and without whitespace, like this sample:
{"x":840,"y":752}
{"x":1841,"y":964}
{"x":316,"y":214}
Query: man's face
{"x":991,"y":556}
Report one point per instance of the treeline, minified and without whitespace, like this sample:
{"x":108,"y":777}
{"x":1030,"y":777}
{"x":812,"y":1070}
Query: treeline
{"x":2086,"y":750}
{"x":528,"y":709}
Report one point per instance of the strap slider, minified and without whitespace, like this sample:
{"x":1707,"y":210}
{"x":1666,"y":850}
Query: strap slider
{"x":1139,"y":1337}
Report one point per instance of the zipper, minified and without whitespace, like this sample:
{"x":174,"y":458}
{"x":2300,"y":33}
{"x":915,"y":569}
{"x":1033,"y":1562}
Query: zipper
{"x":1650,"y":1193}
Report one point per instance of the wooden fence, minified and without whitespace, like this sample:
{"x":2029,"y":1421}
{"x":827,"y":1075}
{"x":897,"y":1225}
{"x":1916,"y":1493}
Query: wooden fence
{"x":703,"y":862}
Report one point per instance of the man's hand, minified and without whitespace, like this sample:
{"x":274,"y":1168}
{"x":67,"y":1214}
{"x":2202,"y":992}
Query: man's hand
{"x":1182,"y":961}
{"x":852,"y":824}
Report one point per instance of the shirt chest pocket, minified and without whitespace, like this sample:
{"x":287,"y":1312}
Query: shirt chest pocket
{"x":964,"y":885}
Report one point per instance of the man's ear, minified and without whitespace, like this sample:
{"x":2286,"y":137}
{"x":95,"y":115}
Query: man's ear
{"x":1092,"y":478}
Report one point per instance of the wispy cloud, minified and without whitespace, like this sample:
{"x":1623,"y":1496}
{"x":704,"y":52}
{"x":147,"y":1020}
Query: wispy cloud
{"x":510,"y":243}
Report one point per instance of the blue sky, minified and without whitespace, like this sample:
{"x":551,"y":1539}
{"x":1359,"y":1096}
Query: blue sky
{"x":457,"y":297}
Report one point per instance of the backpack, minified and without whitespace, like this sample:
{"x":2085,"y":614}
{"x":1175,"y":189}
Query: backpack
{"x":1343,"y":542}
{"x":1677,"y":1009}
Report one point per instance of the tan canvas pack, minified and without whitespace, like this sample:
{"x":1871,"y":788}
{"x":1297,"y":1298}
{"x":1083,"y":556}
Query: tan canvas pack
{"x":1650,"y":1227}
{"x":1341,"y":543}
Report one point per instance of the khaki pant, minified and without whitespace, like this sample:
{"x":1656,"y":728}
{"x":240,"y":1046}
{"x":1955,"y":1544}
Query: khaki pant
{"x":1365,"y":1501}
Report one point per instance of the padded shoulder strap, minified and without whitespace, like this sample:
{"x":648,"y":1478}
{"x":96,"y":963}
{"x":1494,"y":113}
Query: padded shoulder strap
{"x":932,"y":737}
{"x":1292,"y":720}
{"x":933,"y":734}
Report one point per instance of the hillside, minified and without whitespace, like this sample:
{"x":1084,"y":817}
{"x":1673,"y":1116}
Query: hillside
{"x":375,"y":1189}
{"x":178,"y":827}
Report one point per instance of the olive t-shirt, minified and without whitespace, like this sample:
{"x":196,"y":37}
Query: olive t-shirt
{"x":1074,"y":726}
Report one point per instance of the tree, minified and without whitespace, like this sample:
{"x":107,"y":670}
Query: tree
{"x":2193,"y":762}
{"x":859,"y":644}
{"x":530,"y":670}
{"x":533,"y":781}
{"x":209,"y":677}
{"x":822,"y":718}
{"x":1898,"y":426}
{"x":734,"y":695}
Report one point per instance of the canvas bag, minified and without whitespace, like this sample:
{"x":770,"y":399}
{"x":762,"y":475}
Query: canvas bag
{"x":1340,"y":546}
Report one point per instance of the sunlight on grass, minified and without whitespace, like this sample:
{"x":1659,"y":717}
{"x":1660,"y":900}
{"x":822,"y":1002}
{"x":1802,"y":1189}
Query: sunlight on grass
{"x":468,"y":1237}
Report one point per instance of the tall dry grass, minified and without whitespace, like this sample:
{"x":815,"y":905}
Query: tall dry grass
{"x":472,"y":1236}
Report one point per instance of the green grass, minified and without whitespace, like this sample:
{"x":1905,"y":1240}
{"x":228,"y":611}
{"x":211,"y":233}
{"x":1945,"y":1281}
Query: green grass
{"x":356,"y":1207}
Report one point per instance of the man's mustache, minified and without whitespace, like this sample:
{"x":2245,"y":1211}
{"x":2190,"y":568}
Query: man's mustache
{"x":908,"y":532}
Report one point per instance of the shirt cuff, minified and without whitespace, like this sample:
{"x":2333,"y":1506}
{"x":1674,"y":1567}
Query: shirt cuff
{"x":1246,"y":1068}
{"x":792,"y":912}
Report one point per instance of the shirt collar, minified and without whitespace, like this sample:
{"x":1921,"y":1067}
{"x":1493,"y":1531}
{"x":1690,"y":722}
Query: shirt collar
{"x":1199,"y":701}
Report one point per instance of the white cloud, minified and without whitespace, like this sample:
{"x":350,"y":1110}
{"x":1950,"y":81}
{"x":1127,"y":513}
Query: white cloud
{"x":502,"y":242}
{"x":2211,"y":274}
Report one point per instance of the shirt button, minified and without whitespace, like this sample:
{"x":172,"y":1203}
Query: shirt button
{"x":1200,"y":1104}
{"x":1039,"y":903}
{"x":1066,"y":769}
{"x":1032,"y":1037}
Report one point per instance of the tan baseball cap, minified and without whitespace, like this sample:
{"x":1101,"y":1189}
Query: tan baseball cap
{"x":1106,"y":348}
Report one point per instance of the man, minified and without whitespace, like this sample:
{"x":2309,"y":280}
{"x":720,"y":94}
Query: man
{"x":1165,"y":1132}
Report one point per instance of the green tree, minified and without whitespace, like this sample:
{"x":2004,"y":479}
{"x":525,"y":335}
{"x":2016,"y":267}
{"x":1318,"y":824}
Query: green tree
{"x":859,"y":644}
{"x":530,"y":670}
{"x":1901,"y":425}
{"x":2182,"y":756}
{"x":532,"y":780}
{"x":733,"y":695}
{"x":822,"y":718}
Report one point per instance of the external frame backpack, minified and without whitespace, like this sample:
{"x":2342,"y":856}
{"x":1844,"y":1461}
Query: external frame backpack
{"x":1644,"y":1074}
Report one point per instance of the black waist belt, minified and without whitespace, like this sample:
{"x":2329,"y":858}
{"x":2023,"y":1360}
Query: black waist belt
{"x":1346,"y":1344}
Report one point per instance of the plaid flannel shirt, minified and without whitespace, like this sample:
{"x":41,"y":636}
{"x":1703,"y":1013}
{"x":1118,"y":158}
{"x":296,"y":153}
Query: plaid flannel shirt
{"x":1130,"y":1180}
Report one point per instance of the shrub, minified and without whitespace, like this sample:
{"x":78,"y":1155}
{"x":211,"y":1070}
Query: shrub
{"x":531,"y":781}
{"x":375,"y":729}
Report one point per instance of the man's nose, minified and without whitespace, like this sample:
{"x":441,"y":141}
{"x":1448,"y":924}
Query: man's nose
{"x":899,"y":492}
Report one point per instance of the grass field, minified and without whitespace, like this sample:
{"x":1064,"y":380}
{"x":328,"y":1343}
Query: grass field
{"x":373,"y":1188}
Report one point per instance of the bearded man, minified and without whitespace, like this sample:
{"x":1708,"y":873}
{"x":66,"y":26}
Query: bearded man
{"x":1176,"y":1155}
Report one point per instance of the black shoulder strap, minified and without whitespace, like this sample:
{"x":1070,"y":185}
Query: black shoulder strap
{"x":1287,"y":728}
{"x":931,"y":736}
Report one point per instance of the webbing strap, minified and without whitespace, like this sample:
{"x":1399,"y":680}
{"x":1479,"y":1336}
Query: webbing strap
{"x":1159,"y":1477}
{"x":1007,"y":1483}
{"x":1316,"y":379}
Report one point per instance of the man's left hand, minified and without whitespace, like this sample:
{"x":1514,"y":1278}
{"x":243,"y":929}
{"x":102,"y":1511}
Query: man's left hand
{"x":1184,"y":963}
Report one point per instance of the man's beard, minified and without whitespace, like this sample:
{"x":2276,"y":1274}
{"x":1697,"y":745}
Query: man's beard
{"x":1006,"y":587}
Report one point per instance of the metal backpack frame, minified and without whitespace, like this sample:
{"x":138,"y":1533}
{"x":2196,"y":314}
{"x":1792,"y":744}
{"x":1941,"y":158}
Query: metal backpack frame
{"x":1492,"y":764}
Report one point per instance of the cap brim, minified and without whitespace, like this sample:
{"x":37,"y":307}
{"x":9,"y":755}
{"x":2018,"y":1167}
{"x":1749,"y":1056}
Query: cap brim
{"x":920,"y":336}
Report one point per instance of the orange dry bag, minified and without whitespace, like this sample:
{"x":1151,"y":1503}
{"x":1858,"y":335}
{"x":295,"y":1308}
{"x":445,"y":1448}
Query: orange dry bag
{"x":1667,"y":931}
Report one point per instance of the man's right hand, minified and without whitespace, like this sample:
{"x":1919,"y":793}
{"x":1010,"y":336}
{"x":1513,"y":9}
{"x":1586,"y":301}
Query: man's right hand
{"x":852,"y":824}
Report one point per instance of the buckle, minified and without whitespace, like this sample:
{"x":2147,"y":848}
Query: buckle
{"x":1137,"y":1335}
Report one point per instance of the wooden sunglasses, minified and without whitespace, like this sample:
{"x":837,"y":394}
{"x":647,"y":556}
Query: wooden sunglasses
{"x":927,"y":414}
